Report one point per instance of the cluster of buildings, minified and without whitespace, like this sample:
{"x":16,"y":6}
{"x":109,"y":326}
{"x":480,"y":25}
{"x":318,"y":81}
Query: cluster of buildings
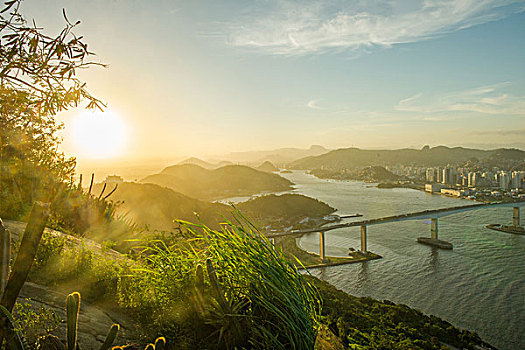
{"x":488,"y":184}
{"x":464,"y":178}
{"x":495,"y":184}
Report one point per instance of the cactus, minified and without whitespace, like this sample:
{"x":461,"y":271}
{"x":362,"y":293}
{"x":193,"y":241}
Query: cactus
{"x":110,"y":338}
{"x":72,"y":310}
{"x":5,"y":256}
{"x":24,"y":259}
{"x":26,"y":254}
{"x":160,"y":343}
{"x":199,"y":278}
{"x":13,"y":337}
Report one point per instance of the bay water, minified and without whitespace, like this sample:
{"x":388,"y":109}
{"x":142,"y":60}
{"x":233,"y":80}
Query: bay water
{"x":479,"y":285}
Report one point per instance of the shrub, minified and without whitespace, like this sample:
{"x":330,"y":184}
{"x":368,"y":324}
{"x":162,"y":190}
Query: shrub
{"x":34,"y":321}
{"x":262,"y":292}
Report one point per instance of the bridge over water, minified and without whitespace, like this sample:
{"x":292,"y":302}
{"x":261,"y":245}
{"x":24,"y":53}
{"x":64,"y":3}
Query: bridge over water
{"x":433,"y":215}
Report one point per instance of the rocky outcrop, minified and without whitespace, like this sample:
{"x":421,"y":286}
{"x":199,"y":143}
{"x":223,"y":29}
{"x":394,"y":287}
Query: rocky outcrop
{"x":93,"y":321}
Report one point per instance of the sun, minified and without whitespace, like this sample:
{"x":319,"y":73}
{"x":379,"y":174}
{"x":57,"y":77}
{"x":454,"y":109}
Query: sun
{"x":99,"y":135}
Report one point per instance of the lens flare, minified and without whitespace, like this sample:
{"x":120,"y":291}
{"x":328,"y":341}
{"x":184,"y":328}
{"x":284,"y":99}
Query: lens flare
{"x":99,"y":134}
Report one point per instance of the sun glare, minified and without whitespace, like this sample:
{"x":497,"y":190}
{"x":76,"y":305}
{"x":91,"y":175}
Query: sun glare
{"x":99,"y":134}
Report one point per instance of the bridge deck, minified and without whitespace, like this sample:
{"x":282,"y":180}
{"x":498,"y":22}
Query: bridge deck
{"x":421,"y":215}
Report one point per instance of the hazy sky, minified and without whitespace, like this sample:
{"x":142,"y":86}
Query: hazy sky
{"x":209,"y":77}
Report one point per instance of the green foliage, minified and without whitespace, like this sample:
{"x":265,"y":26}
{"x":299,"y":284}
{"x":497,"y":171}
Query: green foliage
{"x":13,"y":337}
{"x":61,"y":260}
{"x":250,"y":286}
{"x":34,"y":322}
{"x":37,"y":80}
{"x":49,"y":342}
{"x":372,"y":324}
{"x":42,"y":67}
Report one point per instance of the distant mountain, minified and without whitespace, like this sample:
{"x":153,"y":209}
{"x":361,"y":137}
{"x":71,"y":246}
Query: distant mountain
{"x":349,"y":158}
{"x":203,"y":164}
{"x":197,"y":161}
{"x":279,"y":156}
{"x":228,"y":181}
{"x":267,"y":167}
{"x":375,"y":173}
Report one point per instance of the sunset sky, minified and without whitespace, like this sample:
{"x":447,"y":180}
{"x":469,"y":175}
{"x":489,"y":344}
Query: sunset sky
{"x":210,"y":77}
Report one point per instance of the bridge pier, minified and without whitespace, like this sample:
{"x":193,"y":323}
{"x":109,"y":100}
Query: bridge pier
{"x":516,"y":216}
{"x":363,"y":239}
{"x":434,"y":228}
{"x":434,"y":241}
{"x":322,"y":251}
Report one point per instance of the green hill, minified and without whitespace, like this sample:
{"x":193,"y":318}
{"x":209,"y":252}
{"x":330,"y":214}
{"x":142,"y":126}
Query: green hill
{"x":227,"y":181}
{"x":348,"y":158}
{"x":286,"y":208}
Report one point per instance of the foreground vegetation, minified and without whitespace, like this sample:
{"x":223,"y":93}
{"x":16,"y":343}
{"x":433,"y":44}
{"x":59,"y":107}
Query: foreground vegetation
{"x":252,"y":295}
{"x":168,"y":286}
{"x":366,"y":323}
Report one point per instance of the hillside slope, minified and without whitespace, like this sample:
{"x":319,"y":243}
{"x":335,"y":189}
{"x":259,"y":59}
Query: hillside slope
{"x":157,"y":207}
{"x":227,"y":181}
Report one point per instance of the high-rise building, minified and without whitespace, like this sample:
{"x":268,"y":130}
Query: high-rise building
{"x":431,"y":175}
{"x":449,"y":176}
{"x":471,"y":179}
{"x":517,"y":179}
{"x":474,"y":179}
{"x":503,"y":180}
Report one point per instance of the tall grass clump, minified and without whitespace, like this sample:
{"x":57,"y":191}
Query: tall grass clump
{"x":245,"y":291}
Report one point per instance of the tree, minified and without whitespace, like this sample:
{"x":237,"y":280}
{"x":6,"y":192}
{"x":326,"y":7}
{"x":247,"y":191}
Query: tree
{"x":37,"y":80}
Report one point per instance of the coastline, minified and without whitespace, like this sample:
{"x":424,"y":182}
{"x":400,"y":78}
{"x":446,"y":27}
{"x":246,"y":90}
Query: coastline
{"x":309,"y":260}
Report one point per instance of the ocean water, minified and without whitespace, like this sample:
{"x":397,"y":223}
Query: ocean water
{"x":479,"y":285}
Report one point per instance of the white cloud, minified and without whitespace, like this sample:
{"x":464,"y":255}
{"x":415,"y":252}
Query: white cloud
{"x":409,"y":100}
{"x":491,"y":99}
{"x":305,"y":27}
{"x":314,"y":104}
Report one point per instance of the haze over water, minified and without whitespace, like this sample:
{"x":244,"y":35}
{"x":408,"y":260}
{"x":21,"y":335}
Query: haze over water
{"x":479,"y":285}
